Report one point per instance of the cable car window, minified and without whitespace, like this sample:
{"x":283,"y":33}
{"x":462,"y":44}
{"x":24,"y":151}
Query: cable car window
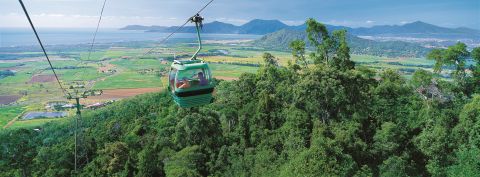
{"x":192,"y":78}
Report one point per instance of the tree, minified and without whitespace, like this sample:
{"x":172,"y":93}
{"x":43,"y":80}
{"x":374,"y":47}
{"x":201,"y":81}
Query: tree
{"x":298,"y":52}
{"x":298,"y":127}
{"x":467,"y":131}
{"x":318,"y":36}
{"x":269,"y":59}
{"x":189,"y":162}
{"x":476,"y":54}
{"x":452,"y":56}
{"x":467,"y":163}
{"x":387,"y":140}
{"x":324,"y":158}
{"x":391,"y":96}
{"x":395,"y":166}
{"x":18,"y":150}
{"x":199,"y":129}
{"x":58,"y":156}
{"x":149,"y":163}
{"x":116,"y":155}
{"x":342,"y":58}
{"x":421,"y":78}
{"x":330,"y":49}
{"x":436,"y":141}
{"x":474,"y":83}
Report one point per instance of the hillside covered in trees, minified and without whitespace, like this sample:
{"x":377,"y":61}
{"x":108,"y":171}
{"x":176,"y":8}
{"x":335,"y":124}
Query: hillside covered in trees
{"x":329,"y":118}
{"x":281,"y":39}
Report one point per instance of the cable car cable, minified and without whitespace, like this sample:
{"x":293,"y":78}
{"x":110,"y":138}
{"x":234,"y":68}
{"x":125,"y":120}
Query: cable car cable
{"x":96,"y":31}
{"x":41,"y":45}
{"x":94,"y":39}
{"x":165,"y":39}
{"x":176,"y":30}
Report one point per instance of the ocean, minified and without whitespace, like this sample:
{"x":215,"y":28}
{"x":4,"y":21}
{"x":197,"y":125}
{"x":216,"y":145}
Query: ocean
{"x":12,"y":37}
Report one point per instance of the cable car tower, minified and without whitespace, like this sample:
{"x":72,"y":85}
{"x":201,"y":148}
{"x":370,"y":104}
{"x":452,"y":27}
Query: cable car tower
{"x":77,"y":90}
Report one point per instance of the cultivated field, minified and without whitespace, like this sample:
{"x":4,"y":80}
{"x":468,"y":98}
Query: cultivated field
{"x":116,"y":94}
{"x":7,"y":99}
{"x":42,"y":78}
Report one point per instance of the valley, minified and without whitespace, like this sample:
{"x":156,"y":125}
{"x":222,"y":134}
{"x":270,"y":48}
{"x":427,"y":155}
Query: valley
{"x":123,"y":72}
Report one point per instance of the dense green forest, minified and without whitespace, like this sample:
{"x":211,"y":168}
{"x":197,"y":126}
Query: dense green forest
{"x":329,"y":118}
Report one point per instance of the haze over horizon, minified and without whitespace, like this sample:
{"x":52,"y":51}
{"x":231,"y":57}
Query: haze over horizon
{"x":351,"y":13}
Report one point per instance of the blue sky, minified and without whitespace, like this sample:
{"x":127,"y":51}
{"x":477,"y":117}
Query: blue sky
{"x":353,"y":13}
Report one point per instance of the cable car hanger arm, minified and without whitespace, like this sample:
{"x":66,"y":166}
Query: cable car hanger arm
{"x":197,"y":19}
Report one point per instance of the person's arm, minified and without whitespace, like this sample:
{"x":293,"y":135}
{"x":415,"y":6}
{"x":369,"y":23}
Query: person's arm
{"x":186,"y":84}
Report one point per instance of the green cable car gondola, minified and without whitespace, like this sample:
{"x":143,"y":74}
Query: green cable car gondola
{"x":190,"y":81}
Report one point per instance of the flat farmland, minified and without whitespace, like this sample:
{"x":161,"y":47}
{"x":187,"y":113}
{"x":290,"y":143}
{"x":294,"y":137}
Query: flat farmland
{"x":7,"y":99}
{"x":115,"y":94}
{"x":128,"y":80}
{"x":42,"y":78}
{"x":34,"y":123}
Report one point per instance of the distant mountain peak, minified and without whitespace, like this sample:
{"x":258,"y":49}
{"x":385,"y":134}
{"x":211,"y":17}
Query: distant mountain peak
{"x":260,"y":21}
{"x":263,"y":20}
{"x":218,"y":22}
{"x":420,"y":23}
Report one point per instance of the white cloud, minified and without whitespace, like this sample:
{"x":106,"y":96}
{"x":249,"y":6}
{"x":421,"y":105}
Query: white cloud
{"x":82,"y":21}
{"x":340,"y":23}
{"x":48,"y":15}
{"x":234,"y":21}
{"x":293,"y":22}
{"x":370,"y":22}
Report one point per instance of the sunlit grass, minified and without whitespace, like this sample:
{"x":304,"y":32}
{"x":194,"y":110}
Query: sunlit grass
{"x":137,"y":64}
{"x":129,"y":79}
{"x":9,"y":113}
{"x":32,"y":123}
{"x":227,"y":70}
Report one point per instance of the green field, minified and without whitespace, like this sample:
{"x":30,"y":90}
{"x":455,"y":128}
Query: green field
{"x":137,"y":64}
{"x":89,"y":73}
{"x":227,"y":70}
{"x":32,"y":123}
{"x":129,"y":80}
{"x":7,"y":65}
{"x":8,"y":113}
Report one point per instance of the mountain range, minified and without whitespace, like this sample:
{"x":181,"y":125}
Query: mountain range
{"x":262,"y":27}
{"x":259,"y":27}
{"x":277,"y":36}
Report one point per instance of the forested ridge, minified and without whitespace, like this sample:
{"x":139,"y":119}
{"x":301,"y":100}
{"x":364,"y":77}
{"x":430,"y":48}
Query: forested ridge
{"x":280,"y":40}
{"x":319,"y":116}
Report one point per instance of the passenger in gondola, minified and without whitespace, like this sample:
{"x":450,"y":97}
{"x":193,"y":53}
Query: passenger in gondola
{"x":203,"y":80}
